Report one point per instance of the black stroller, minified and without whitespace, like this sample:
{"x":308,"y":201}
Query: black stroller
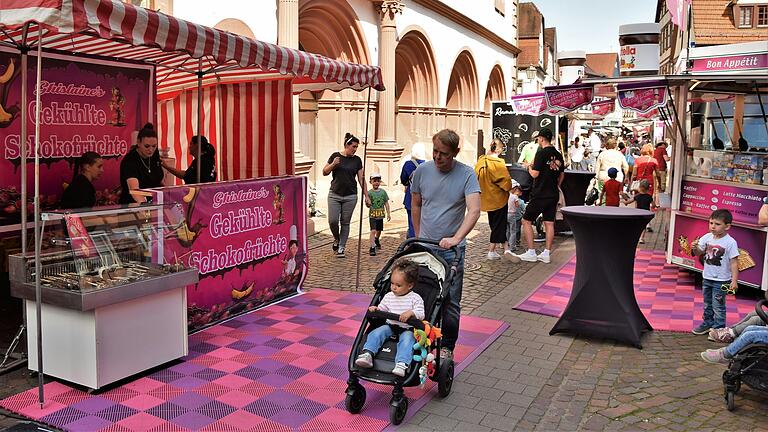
{"x":435,"y":276}
{"x":750,"y":365}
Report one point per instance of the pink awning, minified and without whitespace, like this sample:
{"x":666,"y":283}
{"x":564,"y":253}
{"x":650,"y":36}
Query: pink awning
{"x":179,"y":49}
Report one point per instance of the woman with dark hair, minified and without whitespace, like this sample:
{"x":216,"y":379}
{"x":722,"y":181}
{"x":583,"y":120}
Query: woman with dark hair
{"x":80,"y":193}
{"x":207,"y":162}
{"x":347,"y":172}
{"x":141,"y":167}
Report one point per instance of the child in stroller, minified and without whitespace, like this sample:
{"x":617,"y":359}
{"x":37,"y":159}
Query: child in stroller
{"x":747,"y":358}
{"x":403,"y":301}
{"x":369,"y":363}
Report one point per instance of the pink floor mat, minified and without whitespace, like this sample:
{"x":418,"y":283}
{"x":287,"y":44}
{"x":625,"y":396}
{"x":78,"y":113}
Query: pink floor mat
{"x":281,"y":368}
{"x":665,"y":293}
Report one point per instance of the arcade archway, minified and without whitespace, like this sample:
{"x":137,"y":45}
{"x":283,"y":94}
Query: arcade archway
{"x":462,"y":104}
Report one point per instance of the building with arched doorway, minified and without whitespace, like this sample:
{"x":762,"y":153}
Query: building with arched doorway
{"x":443,"y":62}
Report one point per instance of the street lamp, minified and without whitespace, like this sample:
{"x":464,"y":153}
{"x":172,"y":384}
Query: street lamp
{"x":530,"y":73}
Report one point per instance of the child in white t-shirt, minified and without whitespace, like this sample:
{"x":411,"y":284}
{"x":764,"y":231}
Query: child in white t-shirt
{"x":721,"y":269}
{"x":400,"y":300}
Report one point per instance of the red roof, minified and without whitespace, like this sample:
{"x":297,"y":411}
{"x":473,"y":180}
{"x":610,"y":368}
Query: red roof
{"x":605,"y":64}
{"x":713,"y":24}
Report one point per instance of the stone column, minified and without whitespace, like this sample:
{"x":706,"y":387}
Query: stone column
{"x":288,"y":36}
{"x":386,"y":152}
{"x":385,"y":126}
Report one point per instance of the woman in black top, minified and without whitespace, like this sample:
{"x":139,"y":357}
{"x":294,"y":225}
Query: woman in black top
{"x":80,"y":193}
{"x":141,"y":167}
{"x":207,"y":163}
{"x":347,"y":171}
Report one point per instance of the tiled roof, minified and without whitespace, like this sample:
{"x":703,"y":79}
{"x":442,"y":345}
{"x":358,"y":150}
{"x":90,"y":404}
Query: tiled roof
{"x":713,"y":24}
{"x":529,"y":54}
{"x":606,"y":64}
{"x":529,"y":20}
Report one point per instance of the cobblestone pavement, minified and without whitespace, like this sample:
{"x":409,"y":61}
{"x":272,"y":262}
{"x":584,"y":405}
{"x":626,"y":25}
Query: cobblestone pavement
{"x":528,"y":380}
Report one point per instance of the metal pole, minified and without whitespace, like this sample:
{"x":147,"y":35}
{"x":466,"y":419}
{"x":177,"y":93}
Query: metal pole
{"x":362,"y":202}
{"x":23,"y":144}
{"x":199,"y":116}
{"x":38,"y":234}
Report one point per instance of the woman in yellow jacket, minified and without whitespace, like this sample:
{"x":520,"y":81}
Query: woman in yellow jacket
{"x":495,"y":184}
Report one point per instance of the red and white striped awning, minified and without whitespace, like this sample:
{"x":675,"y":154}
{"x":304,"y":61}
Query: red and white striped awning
{"x":179,"y":49}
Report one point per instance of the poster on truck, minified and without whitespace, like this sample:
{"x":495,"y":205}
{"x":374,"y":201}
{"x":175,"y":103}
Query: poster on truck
{"x":247,"y":238}
{"x":86,"y":104}
{"x":751,"y":243}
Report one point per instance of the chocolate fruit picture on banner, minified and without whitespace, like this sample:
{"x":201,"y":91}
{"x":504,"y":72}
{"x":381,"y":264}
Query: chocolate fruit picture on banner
{"x":247,"y":238}
{"x":87,"y":104}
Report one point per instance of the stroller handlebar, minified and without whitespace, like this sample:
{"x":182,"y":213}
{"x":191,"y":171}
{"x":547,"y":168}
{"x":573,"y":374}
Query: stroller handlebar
{"x":413,"y":322}
{"x":760,"y":311}
{"x":412,"y":240}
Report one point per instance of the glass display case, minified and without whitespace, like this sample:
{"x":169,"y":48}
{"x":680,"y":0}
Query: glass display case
{"x":90,"y":257}
{"x":110,"y":306}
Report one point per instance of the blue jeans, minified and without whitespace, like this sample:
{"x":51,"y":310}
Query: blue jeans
{"x":405,"y":343}
{"x":714,"y":303}
{"x":452,"y":310}
{"x":753,"y":334}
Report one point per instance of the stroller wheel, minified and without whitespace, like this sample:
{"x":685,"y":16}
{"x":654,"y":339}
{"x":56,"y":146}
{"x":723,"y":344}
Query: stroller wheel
{"x":730,"y":402}
{"x":355,"y":398}
{"x":445,"y":378}
{"x":397,"y":410}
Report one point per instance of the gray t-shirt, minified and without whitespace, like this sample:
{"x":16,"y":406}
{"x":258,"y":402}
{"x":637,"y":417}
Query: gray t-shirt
{"x":718,"y":253}
{"x":443,"y":198}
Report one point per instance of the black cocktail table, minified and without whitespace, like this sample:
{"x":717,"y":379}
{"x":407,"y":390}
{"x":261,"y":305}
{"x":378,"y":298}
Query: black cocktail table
{"x":602,"y":302}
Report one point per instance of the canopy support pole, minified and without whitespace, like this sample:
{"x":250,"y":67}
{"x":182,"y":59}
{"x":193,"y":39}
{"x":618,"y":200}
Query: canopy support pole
{"x":362,"y":201}
{"x":38,"y":233}
{"x":198,"y":162}
{"x":24,"y":149}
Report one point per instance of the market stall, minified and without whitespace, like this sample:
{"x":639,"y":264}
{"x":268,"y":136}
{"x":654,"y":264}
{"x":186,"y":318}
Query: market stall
{"x":183,"y":56}
{"x":719,"y":157}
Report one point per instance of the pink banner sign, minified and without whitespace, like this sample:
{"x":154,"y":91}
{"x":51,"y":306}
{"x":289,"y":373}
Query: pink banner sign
{"x":248,"y":239}
{"x":569,"y":97}
{"x":642,"y":100}
{"x":702,"y":198}
{"x":731,"y":63}
{"x":649,"y":115}
{"x":678,"y":10}
{"x":602,"y":108}
{"x":751,"y":247}
{"x":86,"y":105}
{"x":532,"y":104}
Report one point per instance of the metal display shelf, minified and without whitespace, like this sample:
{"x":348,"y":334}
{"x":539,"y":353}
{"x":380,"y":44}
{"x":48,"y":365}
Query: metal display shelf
{"x":90,"y":299}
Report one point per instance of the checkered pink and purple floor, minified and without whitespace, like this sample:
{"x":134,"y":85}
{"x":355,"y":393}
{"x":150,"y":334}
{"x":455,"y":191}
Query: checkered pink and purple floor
{"x":665,"y":293}
{"x":281,"y":368}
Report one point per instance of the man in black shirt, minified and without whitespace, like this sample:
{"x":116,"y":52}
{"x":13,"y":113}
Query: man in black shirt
{"x":547,"y":171}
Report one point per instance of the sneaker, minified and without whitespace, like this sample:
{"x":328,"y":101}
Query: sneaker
{"x":493,"y":255}
{"x":335,"y":246}
{"x":701,"y":329}
{"x":528,"y":256}
{"x":649,"y":229}
{"x":716,"y":356}
{"x":340,"y":253}
{"x":543,"y":257}
{"x":400,"y":369}
{"x":378,"y":244}
{"x":642,"y":241}
{"x":446,"y":354}
{"x":372,"y":251}
{"x":722,"y":335}
{"x":364,"y":360}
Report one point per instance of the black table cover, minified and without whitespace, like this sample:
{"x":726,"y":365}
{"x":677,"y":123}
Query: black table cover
{"x":602,"y":302}
{"x":575,"y":185}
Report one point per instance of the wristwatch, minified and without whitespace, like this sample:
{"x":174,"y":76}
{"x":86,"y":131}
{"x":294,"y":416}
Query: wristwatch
{"x":765,"y":200}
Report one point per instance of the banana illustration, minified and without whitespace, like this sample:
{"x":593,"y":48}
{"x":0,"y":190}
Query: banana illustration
{"x":6,"y":76}
{"x":190,"y":195}
{"x":238,"y":295}
{"x":184,"y":233}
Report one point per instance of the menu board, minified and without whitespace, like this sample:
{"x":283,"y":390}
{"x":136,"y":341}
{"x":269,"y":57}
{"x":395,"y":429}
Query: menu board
{"x":699,"y":197}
